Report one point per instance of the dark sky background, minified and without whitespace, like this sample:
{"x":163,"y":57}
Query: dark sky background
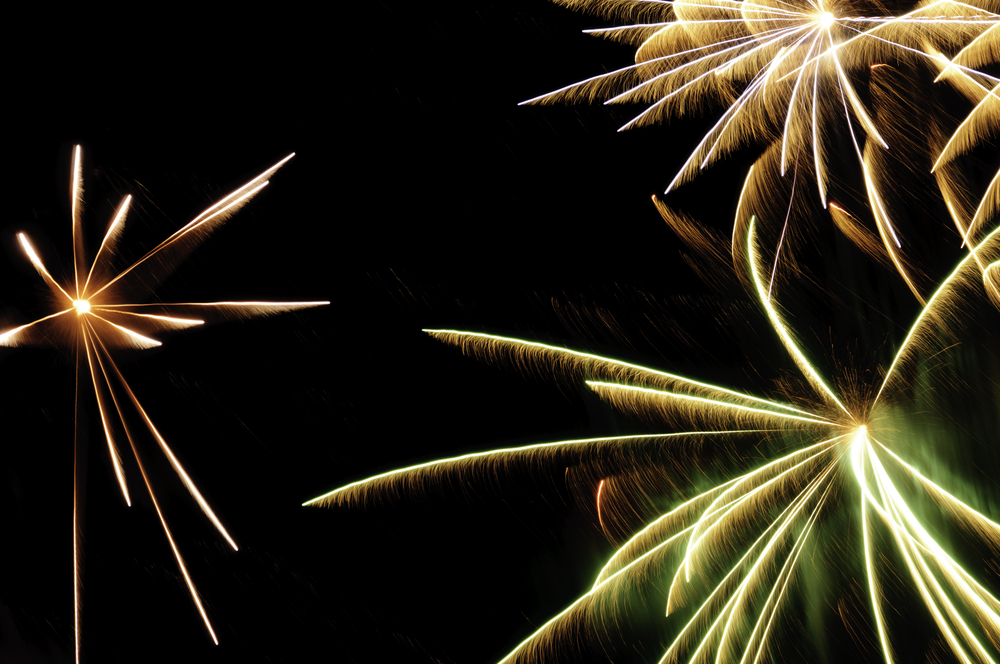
{"x":421,"y":196}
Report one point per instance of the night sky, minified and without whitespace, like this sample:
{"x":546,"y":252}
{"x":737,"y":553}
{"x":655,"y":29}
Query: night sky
{"x":421,"y":196}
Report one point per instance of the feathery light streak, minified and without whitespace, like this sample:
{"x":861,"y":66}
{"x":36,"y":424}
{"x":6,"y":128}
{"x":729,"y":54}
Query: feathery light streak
{"x":106,"y":318}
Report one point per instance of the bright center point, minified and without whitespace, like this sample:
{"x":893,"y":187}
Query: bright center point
{"x":826,"y":19}
{"x":860,"y":438}
{"x":82,"y":307}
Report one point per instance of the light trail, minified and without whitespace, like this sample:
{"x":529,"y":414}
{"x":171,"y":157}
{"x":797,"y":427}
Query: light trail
{"x":116,"y":461}
{"x":149,"y":487}
{"x":652,"y":374}
{"x":108,"y":243}
{"x":702,"y":400}
{"x":326,"y":498}
{"x":779,"y":326}
{"x":931,"y":306}
{"x":218,"y":212}
{"x":178,"y":468}
{"x":40,"y":267}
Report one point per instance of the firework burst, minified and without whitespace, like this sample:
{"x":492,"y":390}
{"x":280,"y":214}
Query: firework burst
{"x":839,"y":452}
{"x":100,"y":310}
{"x":788,"y":75}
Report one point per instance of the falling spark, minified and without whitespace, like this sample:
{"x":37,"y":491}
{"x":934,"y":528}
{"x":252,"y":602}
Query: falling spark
{"x":103,"y":322}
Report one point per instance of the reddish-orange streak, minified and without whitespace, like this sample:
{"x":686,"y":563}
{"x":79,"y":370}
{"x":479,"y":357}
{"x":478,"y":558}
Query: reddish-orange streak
{"x":599,"y":488}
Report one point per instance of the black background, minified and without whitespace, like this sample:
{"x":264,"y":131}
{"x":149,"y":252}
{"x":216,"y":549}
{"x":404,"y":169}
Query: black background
{"x":421,"y":196}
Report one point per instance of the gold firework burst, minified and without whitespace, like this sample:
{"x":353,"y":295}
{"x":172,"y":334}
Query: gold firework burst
{"x":788,"y":73}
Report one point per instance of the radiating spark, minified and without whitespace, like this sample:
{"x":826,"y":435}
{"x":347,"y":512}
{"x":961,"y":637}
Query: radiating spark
{"x":112,"y":449}
{"x":217,"y":212}
{"x":931,"y":307}
{"x":779,"y":326}
{"x":7,"y":338}
{"x":37,"y":263}
{"x":598,"y":386}
{"x":178,"y":322}
{"x":149,"y":487}
{"x":77,"y":582}
{"x":652,"y":374}
{"x":93,"y":337}
{"x":336,"y":494}
{"x":76,"y":202}
{"x":139,"y":340}
{"x":114,"y":230}
{"x":178,"y":468}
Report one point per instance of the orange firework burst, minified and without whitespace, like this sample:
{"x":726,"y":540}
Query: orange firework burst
{"x":100,"y":310}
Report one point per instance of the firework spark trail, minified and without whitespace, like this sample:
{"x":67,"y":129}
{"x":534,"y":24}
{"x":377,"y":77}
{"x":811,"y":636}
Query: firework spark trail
{"x":76,"y":203}
{"x":695,"y":539}
{"x":603,"y":583}
{"x":110,"y":238}
{"x":178,"y":468}
{"x":783,"y":332}
{"x":600,"y":487}
{"x":77,"y":581}
{"x":488,"y":345}
{"x":936,"y":306}
{"x":609,"y":389}
{"x":982,"y":121}
{"x":218,"y":212}
{"x":357,"y":490}
{"x":921,"y":549}
{"x":92,"y":333}
{"x":149,"y":487}
{"x":40,"y":267}
{"x":112,"y":448}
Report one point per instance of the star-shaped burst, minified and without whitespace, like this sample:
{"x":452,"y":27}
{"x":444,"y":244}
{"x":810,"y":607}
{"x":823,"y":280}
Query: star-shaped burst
{"x":101,"y":310}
